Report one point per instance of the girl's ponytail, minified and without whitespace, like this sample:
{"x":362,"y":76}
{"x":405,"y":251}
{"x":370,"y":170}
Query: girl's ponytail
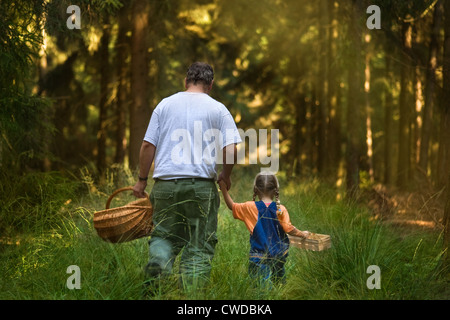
{"x":277,"y":201}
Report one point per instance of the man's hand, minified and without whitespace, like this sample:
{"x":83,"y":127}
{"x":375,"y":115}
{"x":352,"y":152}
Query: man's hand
{"x":139,"y":189}
{"x":146,"y":156}
{"x":225,"y":179}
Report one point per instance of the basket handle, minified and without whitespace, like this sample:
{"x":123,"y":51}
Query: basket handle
{"x":108,"y":202}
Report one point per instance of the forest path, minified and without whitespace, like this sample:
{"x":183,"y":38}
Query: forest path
{"x":421,"y":210}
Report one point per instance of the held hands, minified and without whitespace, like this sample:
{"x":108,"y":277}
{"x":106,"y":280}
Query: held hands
{"x":226,"y":181}
{"x":226,"y":196}
{"x":222,"y":185}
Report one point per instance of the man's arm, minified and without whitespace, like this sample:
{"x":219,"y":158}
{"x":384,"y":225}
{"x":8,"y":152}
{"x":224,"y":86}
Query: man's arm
{"x":146,"y":156}
{"x":229,"y":159}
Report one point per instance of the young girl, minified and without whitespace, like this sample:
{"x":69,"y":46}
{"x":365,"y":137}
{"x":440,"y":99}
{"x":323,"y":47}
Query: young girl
{"x":269,"y":224}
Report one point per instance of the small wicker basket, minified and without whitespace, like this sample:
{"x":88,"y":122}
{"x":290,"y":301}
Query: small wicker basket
{"x":315,"y":242}
{"x":126,"y":223}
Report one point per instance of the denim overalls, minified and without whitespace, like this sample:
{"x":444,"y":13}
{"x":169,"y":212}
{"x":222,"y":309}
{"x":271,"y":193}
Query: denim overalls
{"x":269,"y":245}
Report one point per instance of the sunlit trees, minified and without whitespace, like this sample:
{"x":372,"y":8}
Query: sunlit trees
{"x":295,"y":66}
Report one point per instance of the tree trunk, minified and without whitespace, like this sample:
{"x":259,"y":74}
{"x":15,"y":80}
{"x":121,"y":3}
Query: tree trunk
{"x":445,"y":133}
{"x":388,"y":107}
{"x":310,"y":136}
{"x":405,"y":115}
{"x":322,"y":86}
{"x":104,"y":77}
{"x":139,"y":109}
{"x":418,"y":123}
{"x":122,"y":88}
{"x":369,"y":139}
{"x":354,"y":100}
{"x":312,"y":130}
{"x":334,"y":114}
{"x":430,"y":90}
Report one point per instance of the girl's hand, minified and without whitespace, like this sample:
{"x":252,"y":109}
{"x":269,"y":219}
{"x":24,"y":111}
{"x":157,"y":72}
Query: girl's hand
{"x":306,"y":234}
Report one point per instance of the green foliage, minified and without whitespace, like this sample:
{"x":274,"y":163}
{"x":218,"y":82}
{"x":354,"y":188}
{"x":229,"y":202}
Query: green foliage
{"x":22,"y":127}
{"x":35,"y":266}
{"x":20,"y":39}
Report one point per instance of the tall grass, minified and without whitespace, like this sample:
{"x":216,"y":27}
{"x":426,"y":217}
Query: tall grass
{"x":359,"y":242}
{"x":48,"y":227}
{"x":32,"y":202}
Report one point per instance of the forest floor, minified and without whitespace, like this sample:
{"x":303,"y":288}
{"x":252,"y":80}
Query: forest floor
{"x":415,"y":211}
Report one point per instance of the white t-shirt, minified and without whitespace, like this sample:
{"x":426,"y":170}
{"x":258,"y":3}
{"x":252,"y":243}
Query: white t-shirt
{"x":189,"y":131}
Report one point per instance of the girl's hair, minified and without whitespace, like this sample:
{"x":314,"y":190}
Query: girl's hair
{"x":266,"y":182}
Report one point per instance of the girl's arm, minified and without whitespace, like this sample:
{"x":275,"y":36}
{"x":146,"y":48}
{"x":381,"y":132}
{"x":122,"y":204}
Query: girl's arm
{"x":226,"y":195}
{"x":287,"y":223}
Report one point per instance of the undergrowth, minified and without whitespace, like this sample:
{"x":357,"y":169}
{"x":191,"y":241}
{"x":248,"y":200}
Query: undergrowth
{"x":46,"y":226}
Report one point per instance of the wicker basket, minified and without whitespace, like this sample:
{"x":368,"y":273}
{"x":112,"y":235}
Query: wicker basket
{"x":126,"y":223}
{"x":315,"y":242}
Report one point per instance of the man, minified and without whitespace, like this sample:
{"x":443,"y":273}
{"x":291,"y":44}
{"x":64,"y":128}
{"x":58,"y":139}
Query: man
{"x":184,"y":197}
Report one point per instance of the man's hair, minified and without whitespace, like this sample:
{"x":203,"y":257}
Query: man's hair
{"x":200,"y":72}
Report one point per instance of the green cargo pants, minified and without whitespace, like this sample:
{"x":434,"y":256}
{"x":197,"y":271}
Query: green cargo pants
{"x":185,"y":220}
